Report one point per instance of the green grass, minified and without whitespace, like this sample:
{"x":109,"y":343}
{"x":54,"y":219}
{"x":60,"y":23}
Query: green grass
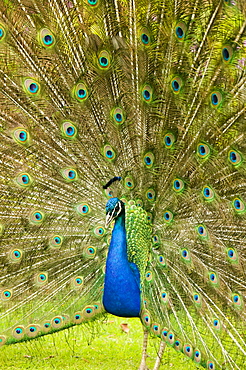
{"x":100,"y":347}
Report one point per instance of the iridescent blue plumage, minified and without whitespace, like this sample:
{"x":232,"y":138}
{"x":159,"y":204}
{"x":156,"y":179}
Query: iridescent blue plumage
{"x":121,"y":295}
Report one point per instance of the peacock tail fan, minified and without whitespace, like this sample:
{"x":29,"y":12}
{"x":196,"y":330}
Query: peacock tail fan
{"x":154,"y":92}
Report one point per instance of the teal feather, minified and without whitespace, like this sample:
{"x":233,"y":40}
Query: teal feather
{"x":153,"y":92}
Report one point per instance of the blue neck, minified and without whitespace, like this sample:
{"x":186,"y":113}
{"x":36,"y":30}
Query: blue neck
{"x":121,"y":295}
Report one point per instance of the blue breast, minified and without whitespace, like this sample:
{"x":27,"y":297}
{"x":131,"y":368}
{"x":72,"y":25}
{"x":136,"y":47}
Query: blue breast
{"x":121,"y":295}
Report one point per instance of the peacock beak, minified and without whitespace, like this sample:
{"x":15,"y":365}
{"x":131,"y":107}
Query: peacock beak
{"x":109,"y":219}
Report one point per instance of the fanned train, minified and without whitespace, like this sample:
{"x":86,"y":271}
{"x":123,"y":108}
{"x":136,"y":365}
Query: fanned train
{"x":129,"y":112}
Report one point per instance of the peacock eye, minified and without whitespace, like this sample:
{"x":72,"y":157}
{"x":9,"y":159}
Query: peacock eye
{"x":24,"y":180}
{"x":118,"y":115}
{"x":216,"y":99}
{"x":227,"y":53}
{"x":203,"y":150}
{"x":147,"y":93}
{"x":31,"y":86}
{"x":93,"y":2}
{"x":180,"y":31}
{"x":69,"y":174}
{"x":234,"y":157}
{"x":104,"y":60}
{"x":149,"y":159}
{"x":56,"y":241}
{"x":47,"y":38}
{"x":169,"y":140}
{"x":178,"y":185}
{"x":83,"y":209}
{"x":80,"y":92}
{"x":2,"y":33}
{"x":68,"y":130}
{"x":150,"y":195}
{"x":176,"y":85}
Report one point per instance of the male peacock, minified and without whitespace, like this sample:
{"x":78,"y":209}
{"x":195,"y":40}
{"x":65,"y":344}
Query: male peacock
{"x":153,"y":92}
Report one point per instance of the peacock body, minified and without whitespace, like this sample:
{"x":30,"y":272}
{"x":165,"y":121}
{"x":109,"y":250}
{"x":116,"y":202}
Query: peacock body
{"x":154,"y":92}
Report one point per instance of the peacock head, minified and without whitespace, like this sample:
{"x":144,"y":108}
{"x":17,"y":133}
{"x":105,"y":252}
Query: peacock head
{"x":114,"y":208}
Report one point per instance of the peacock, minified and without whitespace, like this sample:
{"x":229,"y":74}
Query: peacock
{"x":123,"y":175}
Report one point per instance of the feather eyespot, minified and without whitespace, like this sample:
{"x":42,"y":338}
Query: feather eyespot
{"x":170,"y":338}
{"x":3,"y":340}
{"x":129,"y":183}
{"x":168,"y":217}
{"x":18,"y":332}
{"x":197,"y":356}
{"x":145,"y":37}
{"x":197,"y":299}
{"x":164,"y":297}
{"x":57,"y":322}
{"x":149,"y":276}
{"x":234,"y":157}
{"x":36,"y":217}
{"x":6,"y":294}
{"x":216,"y":324}
{"x":99,"y":231}
{"x":232,"y":255}
{"x":41,"y":278}
{"x":156,"y":240}
{"x":47,"y":38}
{"x":56,"y":241}
{"x":83,"y":209}
{"x":237,"y":300}
{"x":15,"y":255}
{"x":161,"y":260}
{"x":80,"y":92}
{"x":69,"y":174}
{"x":178,"y":185}
{"x":155,"y":329}
{"x":78,"y":317}
{"x":202,"y":231}
{"x":208,"y":193}
{"x":118,"y":115}
{"x":203,"y":150}
{"x":90,"y":251}
{"x":180,"y":30}
{"x":150,"y":195}
{"x":213,"y":278}
{"x":77,"y":282}
{"x":31,"y":86}
{"x":164,"y":333}
{"x":88,"y":312}
{"x":169,"y":140}
{"x":2,"y":33}
{"x":93,"y":2}
{"x":104,"y":60}
{"x":147,"y":93}
{"x":216,"y":99}
{"x":24,"y":180}
{"x":109,"y":153}
{"x":227,"y":53}
{"x":188,"y":350}
{"x":238,"y":205}
{"x":149,"y":159}
{"x":32,"y":330}
{"x":146,"y":319}
{"x":177,"y":345}
{"x":176,"y":85}
{"x":210,"y":365}
{"x":185,"y":254}
{"x":21,"y":136}
{"x":149,"y":217}
{"x":69,"y":130}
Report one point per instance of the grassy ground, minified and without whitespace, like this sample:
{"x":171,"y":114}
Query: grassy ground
{"x":84,"y":349}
